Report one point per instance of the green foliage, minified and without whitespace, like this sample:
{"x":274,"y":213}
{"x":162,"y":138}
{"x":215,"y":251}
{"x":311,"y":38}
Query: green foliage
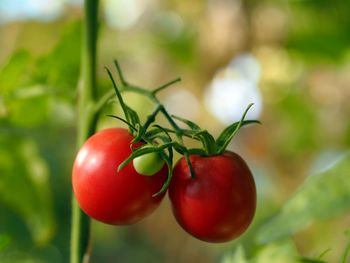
{"x":12,"y":73}
{"x":321,"y":31}
{"x":321,"y":197}
{"x":284,"y":251}
{"x":4,"y":242}
{"x":60,"y":68}
{"x":296,"y":114}
{"x":237,"y":257}
{"x":35,"y":92}
{"x":24,"y":186}
{"x":29,"y":86}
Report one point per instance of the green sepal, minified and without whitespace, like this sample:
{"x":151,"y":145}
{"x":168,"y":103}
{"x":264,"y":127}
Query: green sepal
{"x":226,"y":136}
{"x":119,"y":96}
{"x":207,"y":140}
{"x":187,"y":157}
{"x":150,"y":119}
{"x":169,"y":162}
{"x":189,"y":123}
{"x":197,"y":133}
{"x":197,"y":151}
{"x":133,"y":116}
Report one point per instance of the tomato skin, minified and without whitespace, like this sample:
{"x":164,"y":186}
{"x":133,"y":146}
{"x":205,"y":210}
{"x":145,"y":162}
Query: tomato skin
{"x":219,"y":204}
{"x":148,"y":164}
{"x":112,"y":197}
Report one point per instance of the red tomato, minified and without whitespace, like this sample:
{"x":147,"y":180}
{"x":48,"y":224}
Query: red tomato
{"x":112,"y":197}
{"x":219,"y":204}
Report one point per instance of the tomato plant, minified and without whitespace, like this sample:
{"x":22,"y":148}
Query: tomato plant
{"x":212,"y":192}
{"x":219,"y":203}
{"x":111,"y":196}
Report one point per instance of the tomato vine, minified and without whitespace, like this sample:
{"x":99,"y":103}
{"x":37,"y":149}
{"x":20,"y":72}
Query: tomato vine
{"x":153,"y":133}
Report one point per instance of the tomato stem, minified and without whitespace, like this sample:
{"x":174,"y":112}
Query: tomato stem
{"x":211,"y":146}
{"x":159,"y":108}
{"x":88,"y":111}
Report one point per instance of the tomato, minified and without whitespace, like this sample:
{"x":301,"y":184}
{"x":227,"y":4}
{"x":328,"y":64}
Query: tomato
{"x":112,"y":197}
{"x":148,"y":164}
{"x":219,"y":203}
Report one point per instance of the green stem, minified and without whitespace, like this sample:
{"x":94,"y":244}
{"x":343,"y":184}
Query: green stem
{"x":88,"y":115}
{"x":159,"y":108}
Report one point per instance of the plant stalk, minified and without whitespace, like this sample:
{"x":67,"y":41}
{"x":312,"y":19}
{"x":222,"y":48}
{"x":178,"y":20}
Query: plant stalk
{"x":87,"y":120}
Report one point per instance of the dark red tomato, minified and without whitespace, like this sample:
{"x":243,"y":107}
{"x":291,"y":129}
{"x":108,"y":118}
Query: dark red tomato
{"x":112,"y":197}
{"x":219,"y":204}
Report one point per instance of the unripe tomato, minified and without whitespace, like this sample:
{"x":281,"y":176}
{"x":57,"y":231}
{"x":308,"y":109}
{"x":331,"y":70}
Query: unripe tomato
{"x":219,"y":203}
{"x":148,"y":164}
{"x":112,"y":197}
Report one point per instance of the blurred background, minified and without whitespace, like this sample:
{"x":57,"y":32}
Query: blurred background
{"x":290,"y":58}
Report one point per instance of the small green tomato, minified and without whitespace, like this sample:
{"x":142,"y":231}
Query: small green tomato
{"x":148,"y":164}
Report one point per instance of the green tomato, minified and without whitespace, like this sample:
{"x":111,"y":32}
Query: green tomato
{"x":148,"y":164}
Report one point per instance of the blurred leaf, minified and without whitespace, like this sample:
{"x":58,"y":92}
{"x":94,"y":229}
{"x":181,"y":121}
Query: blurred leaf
{"x":321,"y":197}
{"x":24,"y":186}
{"x":178,"y":42}
{"x":4,"y":242}
{"x":29,"y":111}
{"x":297,"y":120}
{"x":237,"y":257}
{"x":29,"y":86}
{"x":284,"y":251}
{"x":14,"y":73}
{"x":60,"y":68}
{"x":310,"y":260}
{"x":321,"y":30}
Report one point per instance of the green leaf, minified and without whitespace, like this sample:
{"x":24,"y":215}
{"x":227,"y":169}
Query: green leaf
{"x":24,"y":186}
{"x":321,"y":197}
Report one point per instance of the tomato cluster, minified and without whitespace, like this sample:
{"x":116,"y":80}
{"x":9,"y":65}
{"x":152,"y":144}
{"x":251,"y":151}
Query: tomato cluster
{"x":216,"y":206}
{"x":121,"y":175}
